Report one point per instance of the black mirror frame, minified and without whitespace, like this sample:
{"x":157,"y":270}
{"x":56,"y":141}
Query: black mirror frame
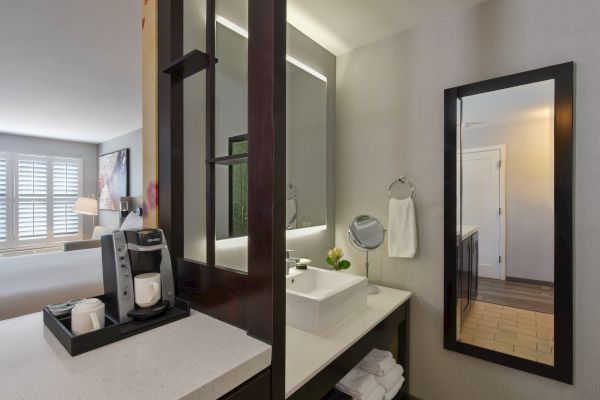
{"x":563,"y":75}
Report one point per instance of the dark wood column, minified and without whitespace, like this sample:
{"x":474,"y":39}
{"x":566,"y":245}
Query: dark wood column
{"x":254,"y":301}
{"x":170,"y":126}
{"x":266,"y":179}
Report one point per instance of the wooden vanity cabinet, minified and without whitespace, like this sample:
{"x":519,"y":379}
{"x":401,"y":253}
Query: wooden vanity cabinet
{"x":258,"y":387}
{"x":468,"y":271}
{"x":474,"y":266}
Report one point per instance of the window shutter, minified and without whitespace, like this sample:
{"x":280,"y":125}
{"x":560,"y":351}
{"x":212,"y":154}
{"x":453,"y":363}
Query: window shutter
{"x":32,"y":190}
{"x":3,"y":197}
{"x":33,"y":177}
{"x":66,"y":179}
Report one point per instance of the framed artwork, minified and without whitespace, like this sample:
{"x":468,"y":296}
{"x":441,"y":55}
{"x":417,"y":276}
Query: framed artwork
{"x":113,"y":179}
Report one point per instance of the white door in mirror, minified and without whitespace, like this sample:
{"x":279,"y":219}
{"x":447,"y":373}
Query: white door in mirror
{"x":87,"y":316}
{"x":147,"y":289}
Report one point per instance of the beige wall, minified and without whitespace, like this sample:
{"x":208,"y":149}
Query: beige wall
{"x":390,"y":122}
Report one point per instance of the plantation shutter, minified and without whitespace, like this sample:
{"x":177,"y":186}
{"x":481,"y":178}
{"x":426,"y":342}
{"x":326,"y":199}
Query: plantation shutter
{"x":66,"y":178}
{"x":3,"y":197}
{"x":32,"y":194}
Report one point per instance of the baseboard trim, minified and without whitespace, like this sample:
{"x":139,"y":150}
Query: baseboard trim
{"x":532,"y":281}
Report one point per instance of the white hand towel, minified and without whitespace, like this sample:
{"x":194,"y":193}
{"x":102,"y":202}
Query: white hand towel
{"x":377,"y":394}
{"x":389,"y":395}
{"x":391,"y":378}
{"x":378,"y":362}
{"x":357,"y":383}
{"x":402,"y":230}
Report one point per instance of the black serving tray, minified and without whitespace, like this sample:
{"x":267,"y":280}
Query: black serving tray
{"x":112,"y":332}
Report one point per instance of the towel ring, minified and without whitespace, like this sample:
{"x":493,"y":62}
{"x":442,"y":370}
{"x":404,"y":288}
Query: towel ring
{"x":294,"y":191}
{"x":294,"y":198}
{"x":402,"y":180}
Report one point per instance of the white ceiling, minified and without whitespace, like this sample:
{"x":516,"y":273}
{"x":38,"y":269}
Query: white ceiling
{"x":520,"y":103}
{"x":343,"y":25}
{"x":70,"y":69}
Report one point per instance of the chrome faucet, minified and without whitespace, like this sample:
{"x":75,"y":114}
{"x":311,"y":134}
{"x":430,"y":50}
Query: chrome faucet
{"x":290,"y":262}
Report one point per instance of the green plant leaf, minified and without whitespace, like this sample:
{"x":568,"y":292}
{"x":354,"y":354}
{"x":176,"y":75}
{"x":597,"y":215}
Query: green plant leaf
{"x":330,"y":261}
{"x":344,"y":264}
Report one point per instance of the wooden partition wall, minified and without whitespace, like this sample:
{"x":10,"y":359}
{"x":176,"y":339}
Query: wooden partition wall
{"x":254,"y":301}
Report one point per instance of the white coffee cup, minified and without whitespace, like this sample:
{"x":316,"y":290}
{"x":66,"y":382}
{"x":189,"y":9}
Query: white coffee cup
{"x":147,"y":289}
{"x":87,"y":316}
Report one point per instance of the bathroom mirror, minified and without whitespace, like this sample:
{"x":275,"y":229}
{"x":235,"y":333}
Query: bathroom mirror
{"x":306,"y":133}
{"x":508,"y":217}
{"x":366,"y":233}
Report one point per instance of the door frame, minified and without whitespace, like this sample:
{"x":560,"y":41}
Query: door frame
{"x":502,"y":194}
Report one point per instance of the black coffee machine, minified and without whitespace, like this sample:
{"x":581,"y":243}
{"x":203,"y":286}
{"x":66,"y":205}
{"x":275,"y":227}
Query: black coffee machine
{"x":126,"y":254}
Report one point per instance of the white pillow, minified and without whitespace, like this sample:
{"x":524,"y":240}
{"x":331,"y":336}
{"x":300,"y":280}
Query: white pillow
{"x":133,"y":221}
{"x":100,"y":231}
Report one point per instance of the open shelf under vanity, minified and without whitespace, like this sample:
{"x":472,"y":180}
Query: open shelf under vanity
{"x":314,"y":364}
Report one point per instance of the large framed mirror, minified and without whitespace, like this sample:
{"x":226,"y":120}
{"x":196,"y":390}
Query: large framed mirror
{"x":508,"y":184}
{"x":230,"y":148}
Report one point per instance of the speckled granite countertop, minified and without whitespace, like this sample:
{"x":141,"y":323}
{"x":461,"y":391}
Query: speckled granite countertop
{"x":197,"y":357}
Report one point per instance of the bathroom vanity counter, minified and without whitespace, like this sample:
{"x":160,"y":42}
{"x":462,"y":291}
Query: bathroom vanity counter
{"x":197,"y":357}
{"x":308,"y":354}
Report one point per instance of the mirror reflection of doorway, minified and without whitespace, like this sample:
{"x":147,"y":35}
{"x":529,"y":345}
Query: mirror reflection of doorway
{"x":483,"y":194}
{"x":507,"y":272}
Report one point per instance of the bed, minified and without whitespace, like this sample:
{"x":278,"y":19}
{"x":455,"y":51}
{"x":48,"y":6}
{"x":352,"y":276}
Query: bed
{"x":28,"y":283}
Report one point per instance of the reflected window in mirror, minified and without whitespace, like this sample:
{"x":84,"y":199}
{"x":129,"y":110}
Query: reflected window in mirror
{"x":238,"y":188}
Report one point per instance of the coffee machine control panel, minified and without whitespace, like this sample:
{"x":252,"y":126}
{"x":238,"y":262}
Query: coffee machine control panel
{"x":124,"y":276}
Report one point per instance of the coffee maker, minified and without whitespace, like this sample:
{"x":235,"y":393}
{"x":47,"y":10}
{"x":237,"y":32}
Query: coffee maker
{"x":126,"y":254}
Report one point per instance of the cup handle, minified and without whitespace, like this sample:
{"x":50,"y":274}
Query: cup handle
{"x":95,"y":321}
{"x":155,"y":288}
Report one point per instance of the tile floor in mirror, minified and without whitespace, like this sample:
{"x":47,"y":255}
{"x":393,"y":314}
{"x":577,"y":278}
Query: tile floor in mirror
{"x":523,"y":333}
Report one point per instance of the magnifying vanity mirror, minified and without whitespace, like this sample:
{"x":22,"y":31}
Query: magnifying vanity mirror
{"x":366,"y":233}
{"x":508,"y":220}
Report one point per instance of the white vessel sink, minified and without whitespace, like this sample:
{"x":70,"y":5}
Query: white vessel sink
{"x":318,"y":299}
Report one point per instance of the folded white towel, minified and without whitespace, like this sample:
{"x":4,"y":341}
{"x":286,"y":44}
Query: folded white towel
{"x":377,"y":394}
{"x":390,"y":394}
{"x":378,"y":362}
{"x":391,"y":378}
{"x":402,"y":228}
{"x":357,"y":383}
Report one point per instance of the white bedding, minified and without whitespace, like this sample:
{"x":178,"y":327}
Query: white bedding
{"x":28,"y":283}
